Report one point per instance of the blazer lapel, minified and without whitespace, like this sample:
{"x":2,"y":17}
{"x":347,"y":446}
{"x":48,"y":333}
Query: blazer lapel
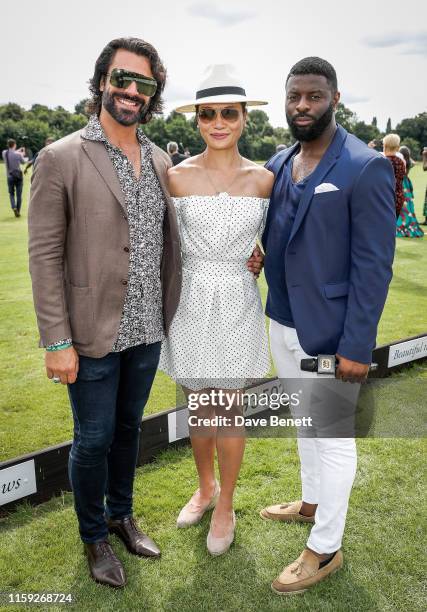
{"x":289,"y":152}
{"x":160,"y":168}
{"x":275,"y":164}
{"x":98,"y":155}
{"x":328,"y":160}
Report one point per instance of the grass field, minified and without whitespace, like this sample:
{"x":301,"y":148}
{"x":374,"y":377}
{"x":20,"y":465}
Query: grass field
{"x":385,"y":536}
{"x":39,"y":411}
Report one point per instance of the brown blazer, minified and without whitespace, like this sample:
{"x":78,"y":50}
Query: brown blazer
{"x":78,"y":245}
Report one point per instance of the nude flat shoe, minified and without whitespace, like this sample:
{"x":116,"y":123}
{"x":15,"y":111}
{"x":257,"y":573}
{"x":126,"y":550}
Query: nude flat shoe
{"x":191,"y":515}
{"x":219,"y":546}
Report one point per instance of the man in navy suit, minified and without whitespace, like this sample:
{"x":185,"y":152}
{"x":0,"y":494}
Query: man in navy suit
{"x":329,"y":242}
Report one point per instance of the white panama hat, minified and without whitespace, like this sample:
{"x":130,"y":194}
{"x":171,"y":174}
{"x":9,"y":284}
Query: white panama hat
{"x":220,"y":85}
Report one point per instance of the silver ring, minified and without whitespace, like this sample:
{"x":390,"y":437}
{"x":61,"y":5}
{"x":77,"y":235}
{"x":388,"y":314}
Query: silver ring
{"x":56,"y":379}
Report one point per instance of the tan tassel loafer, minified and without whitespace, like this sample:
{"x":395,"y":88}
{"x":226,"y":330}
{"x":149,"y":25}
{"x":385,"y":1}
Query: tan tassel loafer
{"x":192,"y":514}
{"x":289,"y":512}
{"x":305,"y":572}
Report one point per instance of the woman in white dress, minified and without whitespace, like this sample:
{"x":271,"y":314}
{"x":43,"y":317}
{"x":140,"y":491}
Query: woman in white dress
{"x":218,"y":339}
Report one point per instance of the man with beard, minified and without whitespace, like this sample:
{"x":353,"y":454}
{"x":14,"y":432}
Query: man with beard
{"x":329,"y":243}
{"x":104,"y":252}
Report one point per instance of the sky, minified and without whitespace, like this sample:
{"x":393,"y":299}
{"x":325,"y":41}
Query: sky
{"x":378,"y":50}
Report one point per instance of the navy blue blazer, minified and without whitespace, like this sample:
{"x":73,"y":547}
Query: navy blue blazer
{"x":338,"y":261}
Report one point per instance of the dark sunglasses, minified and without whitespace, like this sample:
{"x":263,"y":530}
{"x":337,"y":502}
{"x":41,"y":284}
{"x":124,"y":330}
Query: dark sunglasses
{"x":209,"y":114}
{"x":123,"y":78}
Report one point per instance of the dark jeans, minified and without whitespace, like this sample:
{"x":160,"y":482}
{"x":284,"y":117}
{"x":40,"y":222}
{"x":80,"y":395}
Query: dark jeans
{"x":15,"y":185}
{"x":108,"y":400}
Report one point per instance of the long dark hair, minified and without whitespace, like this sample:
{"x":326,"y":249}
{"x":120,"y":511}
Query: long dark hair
{"x":139,"y":47}
{"x":406,"y":152}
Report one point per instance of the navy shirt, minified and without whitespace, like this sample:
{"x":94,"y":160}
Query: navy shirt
{"x":288,"y":194}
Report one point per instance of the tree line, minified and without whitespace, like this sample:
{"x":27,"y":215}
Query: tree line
{"x":30,"y":128}
{"x":412,"y":131}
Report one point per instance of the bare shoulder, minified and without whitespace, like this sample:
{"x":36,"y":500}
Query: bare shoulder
{"x":262,"y":179}
{"x":181,"y":177}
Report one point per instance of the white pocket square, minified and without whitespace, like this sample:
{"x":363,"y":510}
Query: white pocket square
{"x":325,"y":187}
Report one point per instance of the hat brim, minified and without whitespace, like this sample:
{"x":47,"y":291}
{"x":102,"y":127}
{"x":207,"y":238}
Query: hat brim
{"x":190,"y":107}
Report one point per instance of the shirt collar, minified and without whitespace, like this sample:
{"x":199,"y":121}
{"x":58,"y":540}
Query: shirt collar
{"x":94,"y":131}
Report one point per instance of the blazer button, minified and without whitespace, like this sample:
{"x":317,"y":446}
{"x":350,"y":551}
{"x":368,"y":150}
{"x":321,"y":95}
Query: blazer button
{"x":126,"y":249}
{"x":124,"y":282}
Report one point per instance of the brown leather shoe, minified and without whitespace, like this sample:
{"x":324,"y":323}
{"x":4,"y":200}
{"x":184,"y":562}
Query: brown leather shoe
{"x":104,"y":566}
{"x":305,"y":572}
{"x":137,"y":542}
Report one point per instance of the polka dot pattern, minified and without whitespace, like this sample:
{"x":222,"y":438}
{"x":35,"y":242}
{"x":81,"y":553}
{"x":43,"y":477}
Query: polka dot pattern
{"x":218,"y":336}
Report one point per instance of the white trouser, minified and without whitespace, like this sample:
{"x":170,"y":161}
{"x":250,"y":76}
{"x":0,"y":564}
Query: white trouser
{"x":328,"y":465}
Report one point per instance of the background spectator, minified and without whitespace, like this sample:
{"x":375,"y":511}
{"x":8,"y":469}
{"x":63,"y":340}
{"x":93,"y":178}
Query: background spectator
{"x":391,"y":143}
{"x":407,"y":224}
{"x":376,"y":144}
{"x":176,"y":157}
{"x":425,"y":197}
{"x":13,"y":158}
{"x":32,"y":161}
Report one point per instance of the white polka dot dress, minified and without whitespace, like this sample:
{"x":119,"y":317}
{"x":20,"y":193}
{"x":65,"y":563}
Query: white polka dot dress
{"x":218,"y":336}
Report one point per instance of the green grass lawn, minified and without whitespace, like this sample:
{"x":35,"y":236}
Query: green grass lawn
{"x":384,"y":541}
{"x":31,"y":405}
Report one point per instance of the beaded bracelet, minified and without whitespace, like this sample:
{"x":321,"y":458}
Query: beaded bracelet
{"x":59,"y":346}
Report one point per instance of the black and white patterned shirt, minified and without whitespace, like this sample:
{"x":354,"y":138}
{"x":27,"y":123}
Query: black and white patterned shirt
{"x":142,"y":317}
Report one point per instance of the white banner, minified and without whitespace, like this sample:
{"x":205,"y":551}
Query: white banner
{"x":17,"y":481}
{"x":178,"y":425}
{"x":407,"y":351}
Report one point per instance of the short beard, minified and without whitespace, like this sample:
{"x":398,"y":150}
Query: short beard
{"x":311,"y":132}
{"x":124,"y":116}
